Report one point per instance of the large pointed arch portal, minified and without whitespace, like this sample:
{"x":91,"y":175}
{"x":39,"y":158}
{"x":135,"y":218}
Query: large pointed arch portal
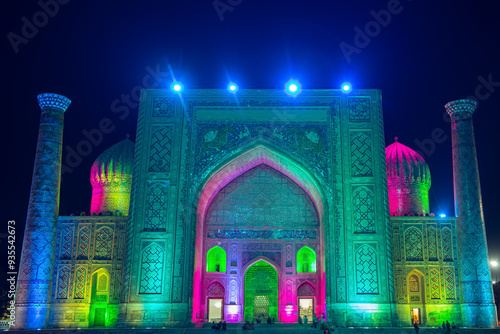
{"x":239,"y":252}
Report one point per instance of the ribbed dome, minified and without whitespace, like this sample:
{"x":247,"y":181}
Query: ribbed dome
{"x":405,"y":165}
{"x":114,"y":164}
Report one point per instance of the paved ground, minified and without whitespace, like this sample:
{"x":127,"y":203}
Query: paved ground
{"x":261,"y":329}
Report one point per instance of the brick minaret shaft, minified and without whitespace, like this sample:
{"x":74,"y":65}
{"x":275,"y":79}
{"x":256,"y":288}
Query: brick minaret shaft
{"x":36,"y":269}
{"x":478,"y":308}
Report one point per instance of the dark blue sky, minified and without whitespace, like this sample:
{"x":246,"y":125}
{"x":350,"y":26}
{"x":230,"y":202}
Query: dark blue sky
{"x":94,"y":53}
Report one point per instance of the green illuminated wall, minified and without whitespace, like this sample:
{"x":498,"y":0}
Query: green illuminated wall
{"x":216,"y":260}
{"x":261,"y":283}
{"x":306,"y":260}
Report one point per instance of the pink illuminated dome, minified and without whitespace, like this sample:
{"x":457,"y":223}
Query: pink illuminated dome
{"x":111,"y":179}
{"x":409,"y":180}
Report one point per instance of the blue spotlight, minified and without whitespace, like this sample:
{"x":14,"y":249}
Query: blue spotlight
{"x":293,"y":87}
{"x":346,"y":87}
{"x":177,"y":87}
{"x":232,"y":87}
{"x":442,"y":215}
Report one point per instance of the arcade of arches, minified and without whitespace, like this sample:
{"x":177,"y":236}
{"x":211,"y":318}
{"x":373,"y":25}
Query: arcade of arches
{"x":261,"y":250}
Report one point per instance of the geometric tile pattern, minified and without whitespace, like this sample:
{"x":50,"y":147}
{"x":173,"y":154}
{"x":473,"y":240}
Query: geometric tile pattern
{"x":364,"y":211}
{"x":361,"y":154}
{"x":63,"y":283}
{"x":447,"y":244}
{"x":215,"y":290}
{"x":66,"y":243}
{"x":163,"y":107}
{"x":432,"y":243}
{"x":151,"y":270}
{"x":449,"y":283}
{"x":156,"y":207}
{"x":413,"y":244}
{"x":161,"y":149}
{"x":103,"y":244}
{"x":413,"y":283}
{"x":83,"y":243}
{"x":359,"y":109}
{"x":80,"y":282}
{"x":434,"y":284}
{"x":233,"y":295}
{"x":306,"y":289}
{"x":261,"y":195}
{"x":366,"y":271}
{"x":400,"y":289}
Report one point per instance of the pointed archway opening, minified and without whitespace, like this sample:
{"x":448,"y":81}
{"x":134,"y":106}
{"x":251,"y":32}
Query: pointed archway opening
{"x":258,"y":203}
{"x":261,"y":292}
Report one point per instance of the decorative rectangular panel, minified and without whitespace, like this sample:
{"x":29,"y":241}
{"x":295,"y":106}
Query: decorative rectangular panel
{"x":160,"y":150}
{"x":359,"y":109}
{"x":361,"y":153}
{"x":163,"y":107}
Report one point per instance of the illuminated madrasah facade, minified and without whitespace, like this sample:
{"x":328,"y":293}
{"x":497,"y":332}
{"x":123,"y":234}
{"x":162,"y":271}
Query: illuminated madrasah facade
{"x":235,"y":206}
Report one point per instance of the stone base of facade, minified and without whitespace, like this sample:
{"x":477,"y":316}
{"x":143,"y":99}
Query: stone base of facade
{"x":475,"y":315}
{"x":361,"y":315}
{"x":153,"y":315}
{"x":32,"y":317}
{"x":432,"y":315}
{"x":81,"y":316}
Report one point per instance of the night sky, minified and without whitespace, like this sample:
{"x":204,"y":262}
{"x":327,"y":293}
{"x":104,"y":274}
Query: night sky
{"x":424,"y":55}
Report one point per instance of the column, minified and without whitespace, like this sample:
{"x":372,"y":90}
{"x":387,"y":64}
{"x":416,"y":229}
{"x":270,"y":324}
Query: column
{"x":478,"y":308}
{"x":36,"y":270}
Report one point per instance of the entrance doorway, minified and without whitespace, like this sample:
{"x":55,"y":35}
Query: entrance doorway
{"x":99,"y":298}
{"x":306,"y":308}
{"x":261,"y":292}
{"x":99,"y":317}
{"x":215,"y":309}
{"x":415,"y":316}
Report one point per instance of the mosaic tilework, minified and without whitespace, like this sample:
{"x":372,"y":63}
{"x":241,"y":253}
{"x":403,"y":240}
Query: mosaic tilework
{"x":363,"y":210}
{"x":434,"y":284}
{"x":447,"y":244}
{"x":215,"y":289}
{"x":161,"y":149}
{"x":261,"y":195}
{"x":104,"y":243}
{"x":449,"y":283}
{"x":156,"y":207}
{"x":432,"y":246}
{"x":163,"y":107}
{"x":413,"y":244}
{"x":361,"y":153}
{"x":306,"y":289}
{"x":63,"y":283}
{"x":366,"y":270}
{"x":80,"y":283}
{"x":151,"y":269}
{"x":359,"y":109}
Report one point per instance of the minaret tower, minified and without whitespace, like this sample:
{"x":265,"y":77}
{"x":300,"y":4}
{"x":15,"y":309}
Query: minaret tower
{"x":37,"y":259}
{"x":478,"y":308}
